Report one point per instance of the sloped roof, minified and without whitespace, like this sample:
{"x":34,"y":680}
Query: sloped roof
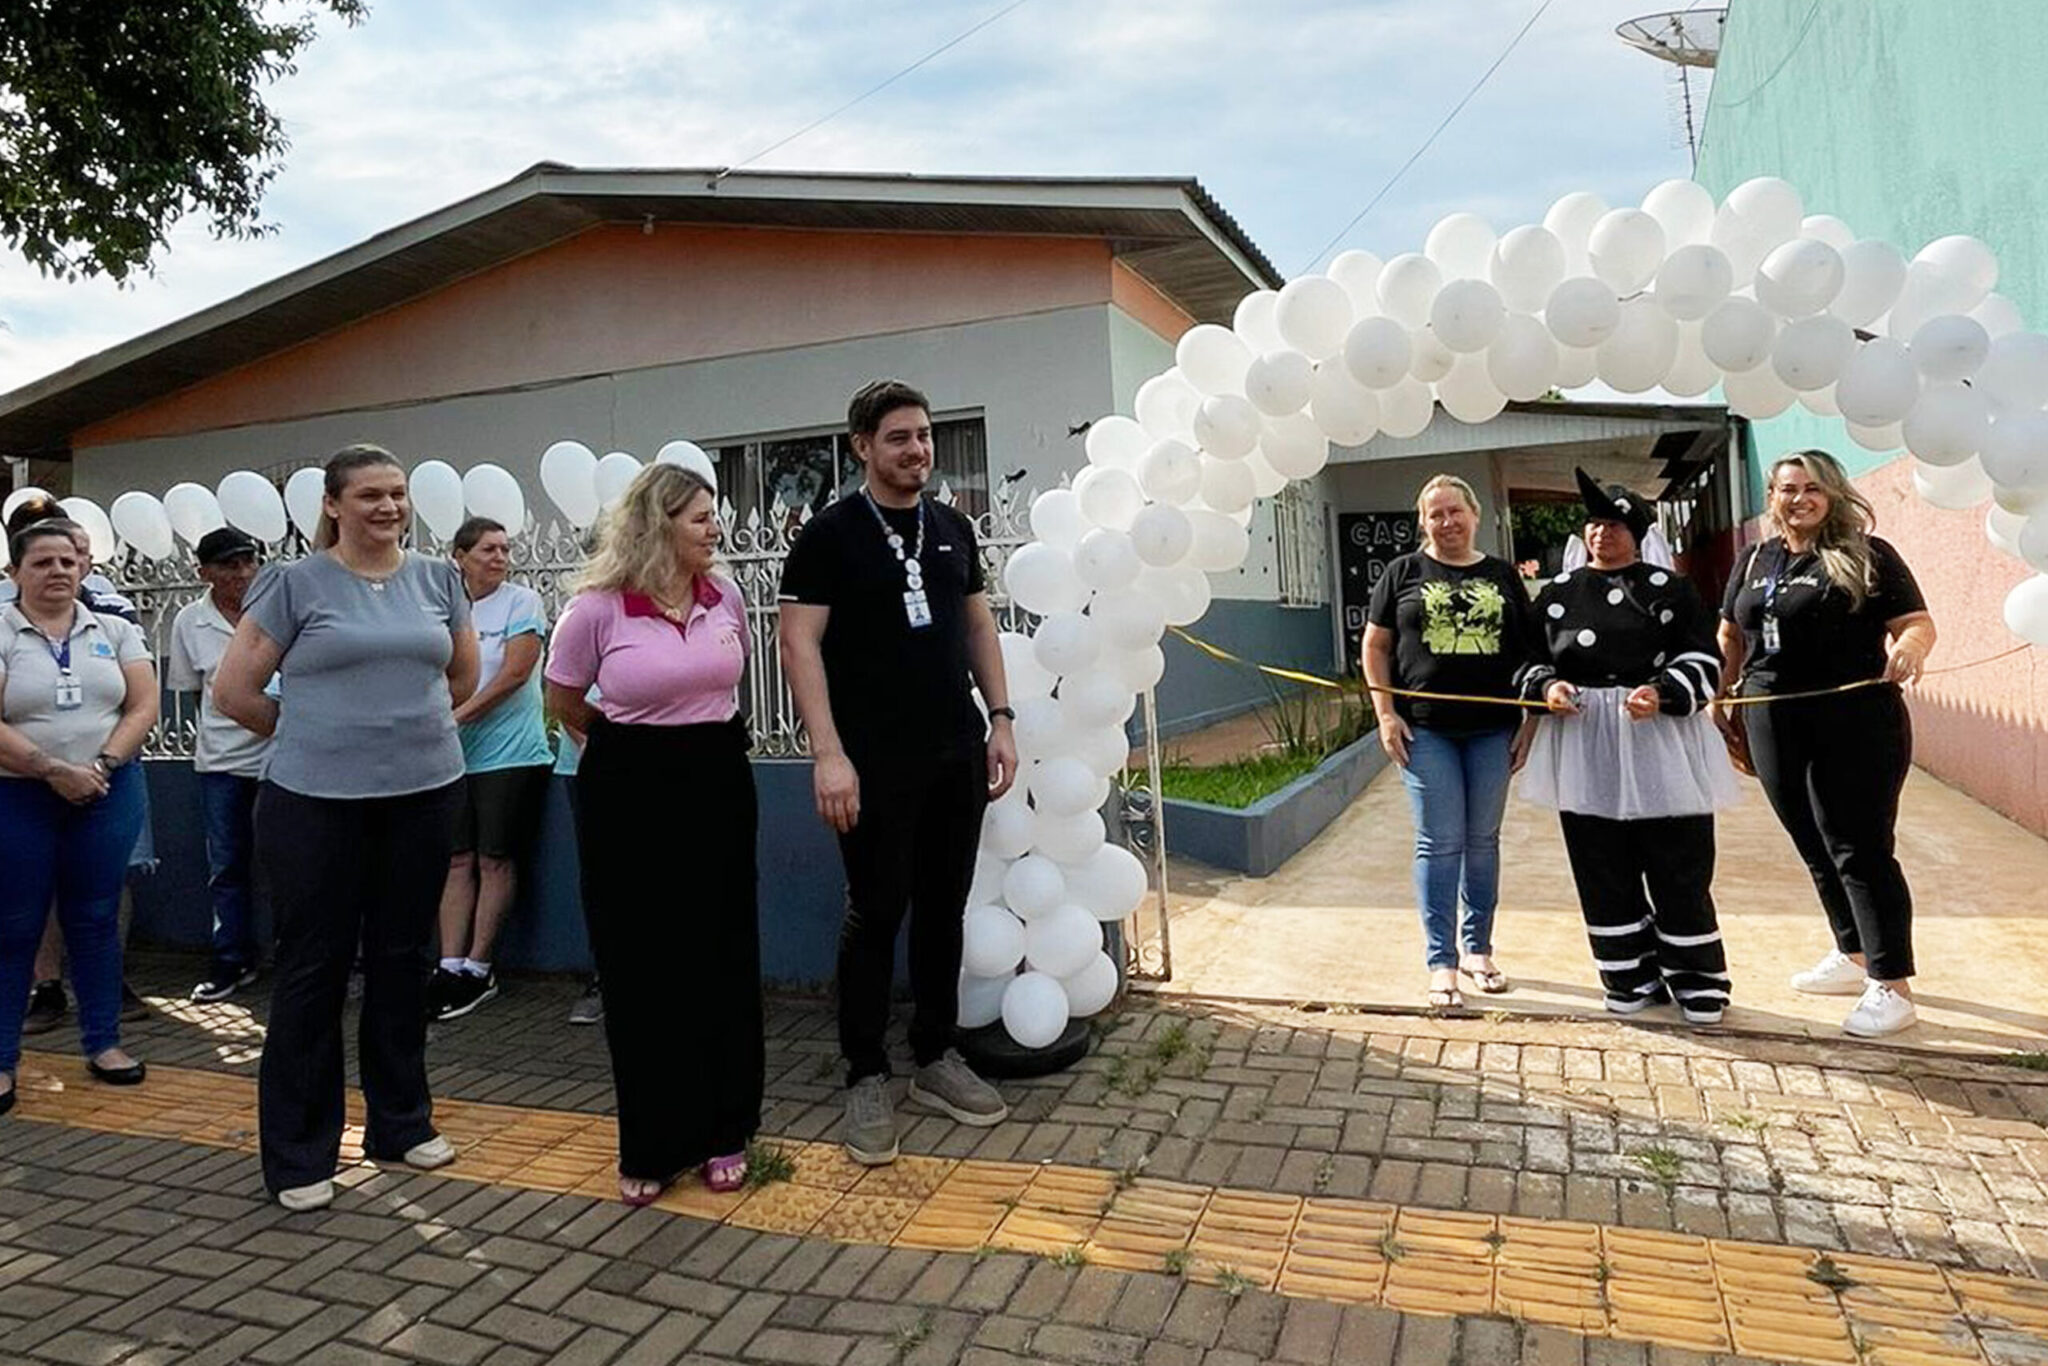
{"x":1167,"y":230}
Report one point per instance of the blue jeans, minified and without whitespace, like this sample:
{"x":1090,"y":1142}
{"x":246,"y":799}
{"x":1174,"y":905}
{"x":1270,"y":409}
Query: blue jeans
{"x":229,"y":801}
{"x":79,"y":855}
{"x":1457,"y":788}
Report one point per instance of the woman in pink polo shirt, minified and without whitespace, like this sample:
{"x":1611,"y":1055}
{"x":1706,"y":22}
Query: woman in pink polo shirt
{"x":665,"y":828}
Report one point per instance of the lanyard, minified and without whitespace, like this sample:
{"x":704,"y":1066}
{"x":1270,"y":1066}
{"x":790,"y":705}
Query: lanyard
{"x":1772,"y":584}
{"x":912,"y":565}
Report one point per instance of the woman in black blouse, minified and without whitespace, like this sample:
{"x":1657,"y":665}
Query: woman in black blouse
{"x":1821,"y":604}
{"x":1631,"y":763}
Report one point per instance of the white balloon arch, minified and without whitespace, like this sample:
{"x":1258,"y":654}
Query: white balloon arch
{"x":1680,"y":293}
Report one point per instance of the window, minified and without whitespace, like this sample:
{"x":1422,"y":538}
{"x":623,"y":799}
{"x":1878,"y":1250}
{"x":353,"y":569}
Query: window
{"x":1299,"y":545}
{"x":778,"y":480}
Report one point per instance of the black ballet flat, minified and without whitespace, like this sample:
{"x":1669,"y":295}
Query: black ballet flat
{"x":131,"y":1075}
{"x":7,"y":1101}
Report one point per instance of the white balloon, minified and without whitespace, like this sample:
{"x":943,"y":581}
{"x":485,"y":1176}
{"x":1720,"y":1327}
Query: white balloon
{"x":1092,"y":988}
{"x":1965,"y":260}
{"x":2015,"y":370}
{"x":690,"y":456}
{"x":1130,"y":619}
{"x":1226,"y":484}
{"x":1166,"y":404}
{"x":1107,"y":559}
{"x":1406,"y":409}
{"x":249,"y":501}
{"x":1278,"y":382}
{"x":17,"y":498}
{"x":2032,"y":542}
{"x":1693,"y":281}
{"x":302,"y":498}
{"x":1066,"y":838}
{"x":1170,"y":472}
{"x":1406,"y":286}
{"x":1062,"y":786}
{"x":140,"y":521}
{"x":2026,"y":610}
{"x":1065,"y":642}
{"x":1056,"y":518}
{"x":1577,"y":366}
{"x":1116,"y":441}
{"x":1061,"y":942}
{"x":1820,"y":401}
{"x":1799,"y":277}
{"x":1885,"y":440}
{"x":1950,"y":346}
{"x":991,"y":939}
{"x":491,"y":491}
{"x":1684,"y":209}
{"x":1433,"y":360}
{"x":1227,"y":426}
{"x":1737,"y":336}
{"x":1220,"y":544}
{"x":1094,"y":699}
{"x":1625,"y":247}
{"x":1954,"y":487}
{"x":1998,"y":314}
{"x":1522,"y":361}
{"x":1212,"y":359}
{"x":1643,"y":348}
{"x":1160,"y":532}
{"x":1378,"y":352}
{"x":1771,"y":204}
{"x":1110,"y":885}
{"x":1359,"y":273}
{"x":98,"y":530}
{"x":1295,"y":446}
{"x":1461,"y":244}
{"x":1313,"y":313}
{"x":1035,"y":1009}
{"x":1757,"y":393}
{"x":1468,"y":392}
{"x":2015,"y":452}
{"x":1042,"y":580}
{"x":1108,"y":497}
{"x":1527,"y":263}
{"x":1692,"y":374}
{"x":568,"y":475}
{"x":1825,"y":227}
{"x":1879,"y":385}
{"x":1140,"y":670}
{"x":609,"y":479}
{"x":1811,"y":352}
{"x":1105,"y":749}
{"x":1021,"y":669}
{"x":1873,"y":273}
{"x":193,"y":511}
{"x":1466,"y":315}
{"x":1253,"y":321}
{"x":1041,"y":728}
{"x":1034,"y":885}
{"x":1948,"y":425}
{"x":1183,"y":592}
{"x":2002,"y":529}
{"x":1582,"y":312}
{"x":1571,"y":221}
{"x":2021,"y":502}
{"x":1342,"y":409}
{"x":981,"y":1000}
{"x":987,"y":885}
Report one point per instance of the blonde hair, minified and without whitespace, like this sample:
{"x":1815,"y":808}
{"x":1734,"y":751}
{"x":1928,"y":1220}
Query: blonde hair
{"x":1843,"y":540}
{"x":1442,"y":481}
{"x":633,"y":547}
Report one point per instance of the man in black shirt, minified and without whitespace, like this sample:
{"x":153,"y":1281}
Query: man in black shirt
{"x":884,"y":623}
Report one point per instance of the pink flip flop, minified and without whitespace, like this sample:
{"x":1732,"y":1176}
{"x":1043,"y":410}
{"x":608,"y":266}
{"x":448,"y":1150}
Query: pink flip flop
{"x":726,"y":1173}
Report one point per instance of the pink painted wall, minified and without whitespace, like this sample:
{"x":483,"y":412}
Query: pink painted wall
{"x":615,"y":299}
{"x":1134,"y":295}
{"x":1983,"y":730}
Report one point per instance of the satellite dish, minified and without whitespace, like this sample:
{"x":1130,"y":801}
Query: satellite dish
{"x":1682,"y":37}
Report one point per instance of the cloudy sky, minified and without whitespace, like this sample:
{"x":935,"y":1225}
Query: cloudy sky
{"x":1292,"y":112}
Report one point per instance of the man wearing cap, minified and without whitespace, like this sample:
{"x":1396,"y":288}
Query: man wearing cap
{"x":228,"y":759}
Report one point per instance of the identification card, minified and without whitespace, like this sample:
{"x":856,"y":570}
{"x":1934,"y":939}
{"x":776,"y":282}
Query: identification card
{"x":1770,"y":633}
{"x":70,"y":695}
{"x":918,"y":609}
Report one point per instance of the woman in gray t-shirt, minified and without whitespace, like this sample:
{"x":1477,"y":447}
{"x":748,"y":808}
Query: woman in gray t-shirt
{"x":355,"y":816}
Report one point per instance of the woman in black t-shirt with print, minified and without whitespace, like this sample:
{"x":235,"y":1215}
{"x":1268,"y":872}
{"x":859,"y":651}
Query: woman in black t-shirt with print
{"x":1449,"y":619}
{"x":1821,"y":604}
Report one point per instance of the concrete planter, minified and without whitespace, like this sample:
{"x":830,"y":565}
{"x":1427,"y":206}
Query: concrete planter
{"x":1257,"y":839}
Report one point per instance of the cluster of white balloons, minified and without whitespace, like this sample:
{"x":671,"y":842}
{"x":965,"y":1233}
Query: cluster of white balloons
{"x":153,"y":526}
{"x":582,"y":484}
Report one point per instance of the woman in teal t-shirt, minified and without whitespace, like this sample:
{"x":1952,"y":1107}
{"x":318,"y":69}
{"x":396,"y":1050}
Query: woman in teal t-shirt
{"x":505,"y":760}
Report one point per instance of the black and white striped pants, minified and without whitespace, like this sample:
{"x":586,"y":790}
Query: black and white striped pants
{"x":1644,"y":888}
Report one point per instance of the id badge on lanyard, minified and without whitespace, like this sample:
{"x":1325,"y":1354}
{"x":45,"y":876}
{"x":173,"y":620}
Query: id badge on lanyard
{"x":1769,"y":631}
{"x":70,"y":693}
{"x":917,"y":608}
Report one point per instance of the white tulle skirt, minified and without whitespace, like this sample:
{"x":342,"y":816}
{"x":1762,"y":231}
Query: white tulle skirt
{"x":1602,"y":763}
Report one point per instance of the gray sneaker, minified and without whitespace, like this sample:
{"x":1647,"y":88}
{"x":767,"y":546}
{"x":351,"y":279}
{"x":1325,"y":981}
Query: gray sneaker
{"x":589,"y":1007}
{"x":869,"y":1132}
{"x":950,"y":1087}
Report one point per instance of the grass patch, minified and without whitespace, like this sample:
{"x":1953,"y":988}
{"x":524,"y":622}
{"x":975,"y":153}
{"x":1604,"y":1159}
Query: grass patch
{"x":1747,"y":1122}
{"x":1071,"y":1258}
{"x":768,"y":1163}
{"x":1236,"y":784}
{"x":1233,"y":1282}
{"x":2032,"y":1062}
{"x":1661,"y":1165}
{"x":1826,"y":1271}
{"x":1175,"y":1262}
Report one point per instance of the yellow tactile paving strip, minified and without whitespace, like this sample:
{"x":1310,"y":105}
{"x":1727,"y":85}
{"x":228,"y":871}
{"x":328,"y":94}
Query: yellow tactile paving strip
{"x":1705,"y":1294}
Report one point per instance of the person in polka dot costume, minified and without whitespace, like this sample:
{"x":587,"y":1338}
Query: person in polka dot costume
{"x":1627,"y":663}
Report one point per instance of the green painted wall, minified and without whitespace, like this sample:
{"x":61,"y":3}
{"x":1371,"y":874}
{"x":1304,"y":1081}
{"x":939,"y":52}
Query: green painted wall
{"x":1907,"y":119}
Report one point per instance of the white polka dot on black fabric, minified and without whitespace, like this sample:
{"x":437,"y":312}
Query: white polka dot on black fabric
{"x":1665,"y":616}
{"x":1658,"y":662}
{"x":1614,"y":597}
{"x":1587,"y":637}
{"x":1557,"y":611}
{"x":1565,"y":577}
{"x":1659,"y":579}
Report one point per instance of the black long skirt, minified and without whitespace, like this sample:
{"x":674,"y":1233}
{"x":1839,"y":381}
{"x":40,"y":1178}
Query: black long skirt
{"x":665,"y":826}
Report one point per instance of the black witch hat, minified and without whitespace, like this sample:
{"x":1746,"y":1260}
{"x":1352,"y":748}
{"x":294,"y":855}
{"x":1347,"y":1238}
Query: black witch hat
{"x":1615,"y":503}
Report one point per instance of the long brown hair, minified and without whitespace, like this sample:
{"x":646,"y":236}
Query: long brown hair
{"x":340,"y":467}
{"x":1843,"y":540}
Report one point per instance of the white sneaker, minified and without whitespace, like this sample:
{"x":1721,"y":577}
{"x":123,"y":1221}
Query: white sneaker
{"x":301,"y":1199}
{"x":435,"y":1152}
{"x":1881,"y":1011}
{"x":1835,"y":975}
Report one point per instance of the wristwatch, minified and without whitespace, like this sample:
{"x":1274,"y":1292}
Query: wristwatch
{"x":994,"y":712}
{"x":107,"y":762}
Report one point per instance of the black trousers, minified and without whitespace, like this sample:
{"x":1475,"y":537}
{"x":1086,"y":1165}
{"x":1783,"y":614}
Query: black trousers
{"x":1666,"y":938}
{"x":343,"y":873}
{"x":1833,"y":768}
{"x":665,"y":827}
{"x":912,"y":850}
